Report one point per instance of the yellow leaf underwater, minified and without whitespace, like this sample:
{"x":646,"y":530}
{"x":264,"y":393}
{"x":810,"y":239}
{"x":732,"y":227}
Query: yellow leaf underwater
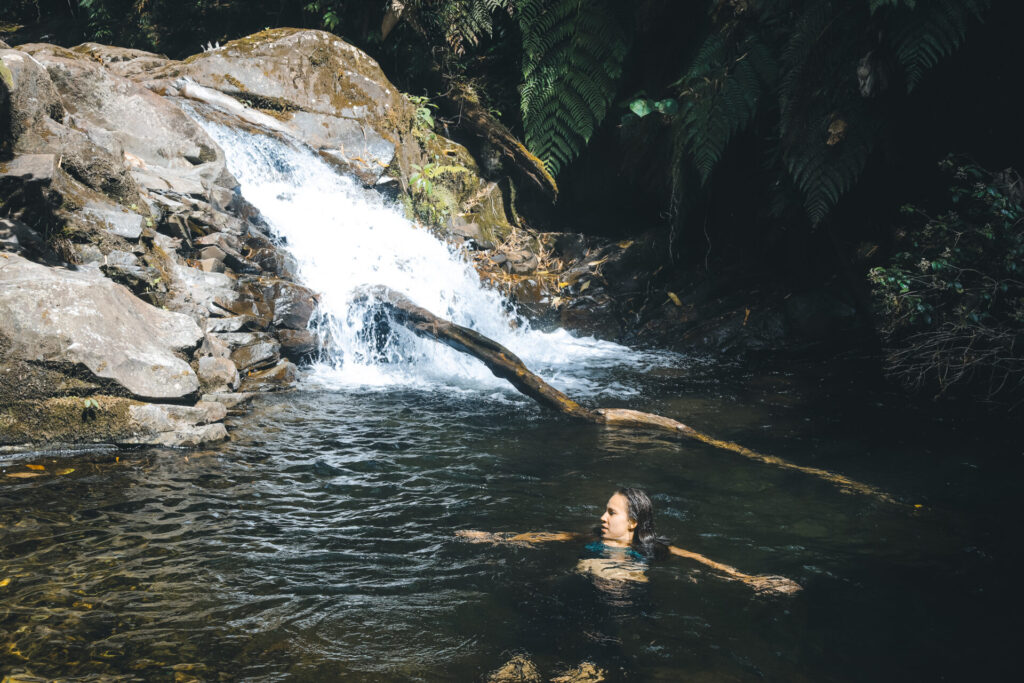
{"x":5,"y":582}
{"x":585,"y":285}
{"x":24,"y":475}
{"x":66,"y":470}
{"x":675,"y":299}
{"x":37,"y":468}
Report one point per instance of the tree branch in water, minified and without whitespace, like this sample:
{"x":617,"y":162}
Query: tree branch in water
{"x":505,"y":364}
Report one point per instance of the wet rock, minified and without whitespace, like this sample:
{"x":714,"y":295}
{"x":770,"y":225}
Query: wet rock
{"x":242,"y":305}
{"x":217,"y":374}
{"x":229,"y":399}
{"x":235,"y":323}
{"x":173,"y":425}
{"x":210,"y":265}
{"x":293,"y":305}
{"x":213,"y":253}
{"x":202,"y":293}
{"x":297,"y":345}
{"x":61,"y":316}
{"x":276,"y":261}
{"x":281,"y":376}
{"x":257,"y":355}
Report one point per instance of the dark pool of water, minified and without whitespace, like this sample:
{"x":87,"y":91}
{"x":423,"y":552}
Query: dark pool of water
{"x":318,"y":544}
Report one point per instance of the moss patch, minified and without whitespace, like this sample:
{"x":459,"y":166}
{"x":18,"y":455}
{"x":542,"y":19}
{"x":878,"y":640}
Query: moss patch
{"x":6,"y":76}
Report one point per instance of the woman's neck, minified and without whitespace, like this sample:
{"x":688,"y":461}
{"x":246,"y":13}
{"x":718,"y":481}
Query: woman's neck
{"x":618,"y":544}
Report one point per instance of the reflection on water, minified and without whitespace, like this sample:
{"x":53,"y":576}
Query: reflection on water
{"x":319,"y":544}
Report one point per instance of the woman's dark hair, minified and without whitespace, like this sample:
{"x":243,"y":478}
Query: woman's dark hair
{"x":641,"y":510}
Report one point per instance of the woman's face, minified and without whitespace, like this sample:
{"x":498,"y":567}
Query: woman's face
{"x":616,"y":526}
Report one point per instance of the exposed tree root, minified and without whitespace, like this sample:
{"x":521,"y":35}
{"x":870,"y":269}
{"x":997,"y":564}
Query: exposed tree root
{"x":505,"y":364}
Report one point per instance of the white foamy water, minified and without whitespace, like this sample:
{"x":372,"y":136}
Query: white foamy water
{"x":345,"y":237}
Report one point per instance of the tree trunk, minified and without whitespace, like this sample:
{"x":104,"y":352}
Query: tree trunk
{"x":463,"y":103}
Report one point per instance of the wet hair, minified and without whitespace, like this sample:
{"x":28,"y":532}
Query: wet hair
{"x":641,"y":510}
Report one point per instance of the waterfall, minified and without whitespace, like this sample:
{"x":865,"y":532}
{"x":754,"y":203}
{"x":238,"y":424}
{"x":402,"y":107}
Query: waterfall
{"x":344,"y":236}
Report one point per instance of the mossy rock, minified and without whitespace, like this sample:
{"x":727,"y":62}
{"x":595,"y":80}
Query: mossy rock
{"x":97,"y":419}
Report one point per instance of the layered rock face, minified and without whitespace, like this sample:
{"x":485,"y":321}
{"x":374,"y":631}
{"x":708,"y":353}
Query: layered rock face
{"x":139,"y":292}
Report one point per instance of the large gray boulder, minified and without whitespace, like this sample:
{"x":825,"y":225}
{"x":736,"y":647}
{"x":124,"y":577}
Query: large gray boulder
{"x":318,"y":88}
{"x":66,"y":317}
{"x":165,"y":149}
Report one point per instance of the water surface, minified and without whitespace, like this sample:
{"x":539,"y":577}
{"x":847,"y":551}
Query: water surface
{"x":319,"y":543}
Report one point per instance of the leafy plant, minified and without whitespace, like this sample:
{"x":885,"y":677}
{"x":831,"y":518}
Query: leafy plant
{"x":950,"y":302}
{"x":572,"y":61}
{"x":424,"y":111}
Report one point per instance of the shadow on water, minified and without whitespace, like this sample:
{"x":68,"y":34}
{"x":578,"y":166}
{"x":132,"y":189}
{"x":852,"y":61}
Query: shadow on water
{"x":318,"y":544}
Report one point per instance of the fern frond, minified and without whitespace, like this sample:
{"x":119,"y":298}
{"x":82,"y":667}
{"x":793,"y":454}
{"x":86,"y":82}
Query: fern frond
{"x":826,"y":157}
{"x":724,"y":86}
{"x":933,"y":31}
{"x":875,"y":5}
{"x":572,"y":61}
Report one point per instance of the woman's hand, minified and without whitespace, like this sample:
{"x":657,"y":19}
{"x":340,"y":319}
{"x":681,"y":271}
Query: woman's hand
{"x":772,"y":584}
{"x":474,"y":536}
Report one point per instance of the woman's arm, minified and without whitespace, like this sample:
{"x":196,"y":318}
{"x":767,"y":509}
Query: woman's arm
{"x":764,"y":583}
{"x":528,"y":538}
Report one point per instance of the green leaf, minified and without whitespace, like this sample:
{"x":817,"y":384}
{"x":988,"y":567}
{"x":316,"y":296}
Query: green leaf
{"x":668,"y":106}
{"x":641,"y":107}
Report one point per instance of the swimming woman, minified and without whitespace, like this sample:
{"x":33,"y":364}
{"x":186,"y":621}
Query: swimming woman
{"x":626,"y":542}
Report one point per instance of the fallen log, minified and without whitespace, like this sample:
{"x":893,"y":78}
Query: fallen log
{"x":505,"y":364}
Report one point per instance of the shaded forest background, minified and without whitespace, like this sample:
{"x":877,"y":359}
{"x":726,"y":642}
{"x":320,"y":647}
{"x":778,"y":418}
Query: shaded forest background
{"x":773,"y":143}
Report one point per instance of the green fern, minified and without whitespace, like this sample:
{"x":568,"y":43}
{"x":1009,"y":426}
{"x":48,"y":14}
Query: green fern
{"x":722,"y":91}
{"x":932,"y":31}
{"x":875,"y":5}
{"x":572,"y":61}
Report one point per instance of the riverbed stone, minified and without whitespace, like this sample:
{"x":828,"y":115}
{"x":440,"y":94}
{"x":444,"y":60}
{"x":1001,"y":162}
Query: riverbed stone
{"x":257,"y":355}
{"x":174,"y":425}
{"x":217,"y":374}
{"x":79,"y":317}
{"x":281,"y":376}
{"x":293,"y":305}
{"x":297,"y":345}
{"x":230,"y":399}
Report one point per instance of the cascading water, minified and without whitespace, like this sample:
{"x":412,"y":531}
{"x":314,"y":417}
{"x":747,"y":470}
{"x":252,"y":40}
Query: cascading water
{"x":345,"y":237}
